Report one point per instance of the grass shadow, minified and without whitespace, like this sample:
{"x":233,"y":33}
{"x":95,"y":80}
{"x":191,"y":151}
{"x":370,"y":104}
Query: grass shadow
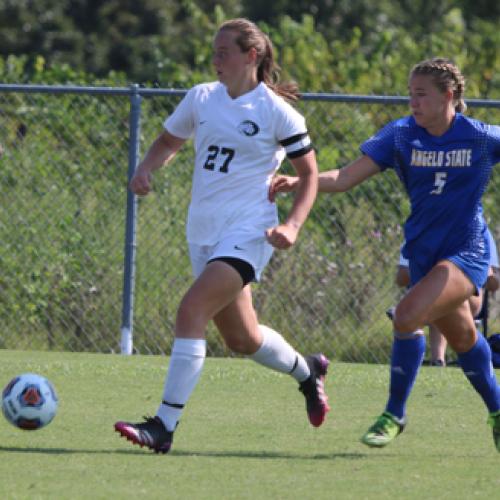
{"x":185,"y":453}
{"x":269,"y":455}
{"x":66,"y":451}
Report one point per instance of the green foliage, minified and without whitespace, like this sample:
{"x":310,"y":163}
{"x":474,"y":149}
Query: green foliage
{"x":62,"y":217}
{"x":354,"y":46}
{"x":302,"y":51}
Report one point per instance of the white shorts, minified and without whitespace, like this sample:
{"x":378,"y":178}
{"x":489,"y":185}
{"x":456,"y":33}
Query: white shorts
{"x":256,"y":251}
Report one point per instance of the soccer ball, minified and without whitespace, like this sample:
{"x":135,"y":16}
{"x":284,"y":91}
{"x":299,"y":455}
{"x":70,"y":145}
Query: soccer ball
{"x":29,"y":401}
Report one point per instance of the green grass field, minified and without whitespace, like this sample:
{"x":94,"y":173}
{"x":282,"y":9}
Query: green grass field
{"x":243,"y":435}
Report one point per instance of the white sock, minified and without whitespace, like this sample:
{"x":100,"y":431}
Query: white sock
{"x":186,"y":364}
{"x":276,"y":353}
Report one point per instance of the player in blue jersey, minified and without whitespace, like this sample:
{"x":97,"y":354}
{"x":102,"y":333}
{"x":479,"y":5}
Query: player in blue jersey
{"x":444,"y":161}
{"x":243,"y":127}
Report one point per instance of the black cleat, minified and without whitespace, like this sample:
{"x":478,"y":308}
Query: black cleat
{"x":151,"y":433}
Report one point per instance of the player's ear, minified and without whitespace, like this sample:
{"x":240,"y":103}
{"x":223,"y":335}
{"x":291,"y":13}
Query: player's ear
{"x":449,"y":95}
{"x":252,"y":55}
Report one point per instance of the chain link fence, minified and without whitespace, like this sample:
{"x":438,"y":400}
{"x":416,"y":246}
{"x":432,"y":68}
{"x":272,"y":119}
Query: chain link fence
{"x":68,"y":273}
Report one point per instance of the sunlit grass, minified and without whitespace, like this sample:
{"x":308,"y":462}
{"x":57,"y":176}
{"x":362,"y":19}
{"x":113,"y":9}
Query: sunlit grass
{"x":244,"y":434}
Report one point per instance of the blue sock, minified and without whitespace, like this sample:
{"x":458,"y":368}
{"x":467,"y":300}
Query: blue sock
{"x":407,"y":356}
{"x":478,"y":368}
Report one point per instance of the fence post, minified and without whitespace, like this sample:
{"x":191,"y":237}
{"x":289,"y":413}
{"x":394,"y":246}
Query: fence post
{"x":130,"y":225}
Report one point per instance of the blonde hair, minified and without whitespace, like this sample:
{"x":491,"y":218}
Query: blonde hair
{"x":446,"y":76}
{"x":248,"y":36}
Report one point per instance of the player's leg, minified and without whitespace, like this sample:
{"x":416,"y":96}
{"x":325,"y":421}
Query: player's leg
{"x":217,"y":286}
{"x":445,"y":284}
{"x":239,"y":327}
{"x":437,"y":343}
{"x":475,"y":362}
{"x":214,"y":289}
{"x":441,"y":290}
{"x":408,"y":351}
{"x":444,"y":288}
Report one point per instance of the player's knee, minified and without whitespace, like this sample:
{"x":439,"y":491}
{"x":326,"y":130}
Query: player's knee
{"x":462,"y":341}
{"x":405,"y":321}
{"x":240,"y":345}
{"x":190,"y":318}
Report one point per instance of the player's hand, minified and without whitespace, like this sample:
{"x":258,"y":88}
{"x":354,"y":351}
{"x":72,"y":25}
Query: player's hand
{"x":282,"y":236}
{"x":140,"y":183}
{"x":282,"y":184}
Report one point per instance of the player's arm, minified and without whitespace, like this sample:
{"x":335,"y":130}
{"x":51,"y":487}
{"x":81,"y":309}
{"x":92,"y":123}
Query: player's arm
{"x":331,"y":181}
{"x":402,"y":276}
{"x":493,"y":281}
{"x":343,"y":179}
{"x":284,"y":235}
{"x":163,"y":149}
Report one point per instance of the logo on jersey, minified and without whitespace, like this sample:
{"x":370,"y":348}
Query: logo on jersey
{"x":248,"y":128}
{"x":453,"y":158}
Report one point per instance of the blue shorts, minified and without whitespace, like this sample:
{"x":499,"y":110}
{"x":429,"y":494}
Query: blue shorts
{"x":474,"y":266}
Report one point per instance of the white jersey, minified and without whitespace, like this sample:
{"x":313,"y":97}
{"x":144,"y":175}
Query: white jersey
{"x":239,"y":144}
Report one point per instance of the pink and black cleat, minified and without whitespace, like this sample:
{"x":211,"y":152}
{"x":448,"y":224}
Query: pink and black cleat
{"x":314,"y":390}
{"x":151,"y":433}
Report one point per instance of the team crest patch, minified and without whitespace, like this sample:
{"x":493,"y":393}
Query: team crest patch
{"x":248,"y":128}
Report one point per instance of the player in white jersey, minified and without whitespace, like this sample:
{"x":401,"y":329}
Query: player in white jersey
{"x":243,"y":128}
{"x":444,"y":160}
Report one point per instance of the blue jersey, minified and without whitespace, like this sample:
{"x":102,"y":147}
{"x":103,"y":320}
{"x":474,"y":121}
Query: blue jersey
{"x":445,"y":178}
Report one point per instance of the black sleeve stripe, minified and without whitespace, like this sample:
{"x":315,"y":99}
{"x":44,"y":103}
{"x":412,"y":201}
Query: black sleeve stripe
{"x":300,"y":152}
{"x":294,"y":138}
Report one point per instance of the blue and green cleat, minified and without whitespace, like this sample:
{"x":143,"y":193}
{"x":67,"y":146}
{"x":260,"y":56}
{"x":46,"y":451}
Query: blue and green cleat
{"x":384,"y":430}
{"x":494,"y":421}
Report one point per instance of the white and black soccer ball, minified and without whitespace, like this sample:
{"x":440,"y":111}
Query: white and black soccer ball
{"x":29,"y":401}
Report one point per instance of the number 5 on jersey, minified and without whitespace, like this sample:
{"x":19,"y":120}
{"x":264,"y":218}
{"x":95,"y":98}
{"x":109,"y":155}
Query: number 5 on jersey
{"x":439,"y":182}
{"x":214,"y":153}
